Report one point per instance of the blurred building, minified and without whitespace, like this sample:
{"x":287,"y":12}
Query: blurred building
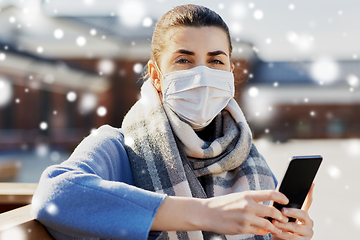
{"x":47,"y":101}
{"x":319,"y":99}
{"x":71,"y":74}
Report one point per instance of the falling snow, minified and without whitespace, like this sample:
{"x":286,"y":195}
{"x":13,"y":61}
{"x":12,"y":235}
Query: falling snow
{"x":81,"y":41}
{"x":2,"y":56}
{"x":101,"y":111}
{"x":71,"y":96}
{"x":12,"y":19}
{"x":302,"y":42}
{"x":238,"y":10}
{"x":52,"y":209}
{"x":87,"y":103}
{"x":6,"y":92}
{"x":93,"y":32}
{"x":353,"y":147}
{"x":253,"y":92}
{"x":132,"y":13}
{"x":334,"y":171}
{"x":106,"y":66}
{"x":353,"y":80}
{"x":55,"y":156}
{"x":42,"y":150}
{"x":43,"y":125}
{"x":235,"y":28}
{"x":13,"y":233}
{"x":325,"y":70}
{"x":58,"y":33}
{"x":258,"y":14}
{"x":147,"y":22}
{"x":138,"y":67}
{"x":40,"y":49}
{"x":49,"y":78}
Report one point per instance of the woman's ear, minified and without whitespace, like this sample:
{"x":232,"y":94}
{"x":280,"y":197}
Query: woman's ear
{"x":232,"y":67}
{"x":154,"y":75}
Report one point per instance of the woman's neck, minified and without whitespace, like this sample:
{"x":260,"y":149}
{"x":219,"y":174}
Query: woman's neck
{"x":207,"y":133}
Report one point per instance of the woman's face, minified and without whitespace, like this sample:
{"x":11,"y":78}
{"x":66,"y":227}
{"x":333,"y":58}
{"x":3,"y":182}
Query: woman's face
{"x":189,"y":47}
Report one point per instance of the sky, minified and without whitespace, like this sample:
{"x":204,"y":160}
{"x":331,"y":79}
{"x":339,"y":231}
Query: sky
{"x":279,"y":30}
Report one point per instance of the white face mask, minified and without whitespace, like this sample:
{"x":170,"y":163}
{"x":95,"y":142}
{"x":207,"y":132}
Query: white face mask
{"x":198,"y":94}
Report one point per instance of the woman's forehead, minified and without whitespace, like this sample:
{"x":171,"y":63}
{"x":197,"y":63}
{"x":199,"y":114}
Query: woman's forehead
{"x":196,"y":39}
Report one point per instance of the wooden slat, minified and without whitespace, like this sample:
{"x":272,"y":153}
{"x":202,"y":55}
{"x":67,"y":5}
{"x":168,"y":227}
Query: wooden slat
{"x":18,"y":224}
{"x":15,"y":217}
{"x":17,"y":193}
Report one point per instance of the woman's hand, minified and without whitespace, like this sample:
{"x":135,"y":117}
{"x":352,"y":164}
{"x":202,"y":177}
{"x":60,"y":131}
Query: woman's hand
{"x":242,"y":213}
{"x":302,"y":229}
{"x":236,"y":213}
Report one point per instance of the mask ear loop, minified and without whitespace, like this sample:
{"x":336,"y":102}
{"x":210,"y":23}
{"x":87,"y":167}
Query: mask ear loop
{"x":159,"y":70}
{"x":160,"y":93}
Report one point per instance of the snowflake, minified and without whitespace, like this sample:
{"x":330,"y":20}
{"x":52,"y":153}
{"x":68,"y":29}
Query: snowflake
{"x":43,"y":125}
{"x":258,"y":14}
{"x":58,"y":33}
{"x":71,"y":96}
{"x":81,"y":41}
{"x":138,"y":67}
{"x":101,"y":111}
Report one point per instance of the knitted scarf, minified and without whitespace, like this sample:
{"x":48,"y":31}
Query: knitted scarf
{"x":167,"y":156}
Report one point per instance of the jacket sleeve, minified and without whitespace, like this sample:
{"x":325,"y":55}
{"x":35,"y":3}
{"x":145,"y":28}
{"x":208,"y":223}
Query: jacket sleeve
{"x":91,"y":195}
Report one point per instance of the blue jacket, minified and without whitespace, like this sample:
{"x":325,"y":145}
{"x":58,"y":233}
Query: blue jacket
{"x":91,"y":195}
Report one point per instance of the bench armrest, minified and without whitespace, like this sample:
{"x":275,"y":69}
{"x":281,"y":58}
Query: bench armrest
{"x":18,"y":224}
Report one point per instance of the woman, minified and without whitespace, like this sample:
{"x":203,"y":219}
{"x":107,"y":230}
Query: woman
{"x":183,"y":162}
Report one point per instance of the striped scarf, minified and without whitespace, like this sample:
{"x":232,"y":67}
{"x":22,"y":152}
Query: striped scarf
{"x":167,"y":156}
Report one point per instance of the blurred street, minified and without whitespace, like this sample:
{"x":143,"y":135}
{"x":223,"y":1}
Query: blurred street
{"x":336,"y":207}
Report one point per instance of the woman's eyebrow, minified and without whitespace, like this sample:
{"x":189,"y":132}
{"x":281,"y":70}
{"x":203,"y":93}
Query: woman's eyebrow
{"x":215,"y":53}
{"x":186,"y":52}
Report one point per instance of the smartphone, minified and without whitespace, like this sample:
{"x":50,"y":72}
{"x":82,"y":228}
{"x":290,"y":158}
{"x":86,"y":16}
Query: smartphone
{"x":297,"y":181}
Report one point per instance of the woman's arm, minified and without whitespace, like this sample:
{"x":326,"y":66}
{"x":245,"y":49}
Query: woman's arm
{"x":90,"y":194}
{"x":237,"y":213}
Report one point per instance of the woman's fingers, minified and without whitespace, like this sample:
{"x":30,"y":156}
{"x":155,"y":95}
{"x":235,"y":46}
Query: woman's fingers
{"x":264,"y":226}
{"x":293,"y":229}
{"x":305,"y":228}
{"x":298,"y":214}
{"x":269,"y":195}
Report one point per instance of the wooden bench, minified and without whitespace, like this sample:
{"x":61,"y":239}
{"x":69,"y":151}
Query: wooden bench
{"x":18,"y":223}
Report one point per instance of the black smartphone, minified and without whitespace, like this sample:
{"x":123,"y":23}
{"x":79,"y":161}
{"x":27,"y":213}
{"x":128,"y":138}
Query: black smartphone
{"x":297,"y":181}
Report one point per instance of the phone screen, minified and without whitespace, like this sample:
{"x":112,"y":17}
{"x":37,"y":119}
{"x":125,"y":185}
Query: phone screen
{"x":297,"y":180}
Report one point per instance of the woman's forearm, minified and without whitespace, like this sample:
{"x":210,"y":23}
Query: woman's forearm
{"x":179,"y":214}
{"x":237,"y":213}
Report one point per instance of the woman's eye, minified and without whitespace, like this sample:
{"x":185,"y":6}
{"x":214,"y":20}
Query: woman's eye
{"x":182,"y":60}
{"x":217,"y":61}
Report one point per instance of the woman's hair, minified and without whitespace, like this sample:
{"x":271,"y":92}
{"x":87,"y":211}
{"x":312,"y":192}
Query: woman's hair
{"x":185,"y":16}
